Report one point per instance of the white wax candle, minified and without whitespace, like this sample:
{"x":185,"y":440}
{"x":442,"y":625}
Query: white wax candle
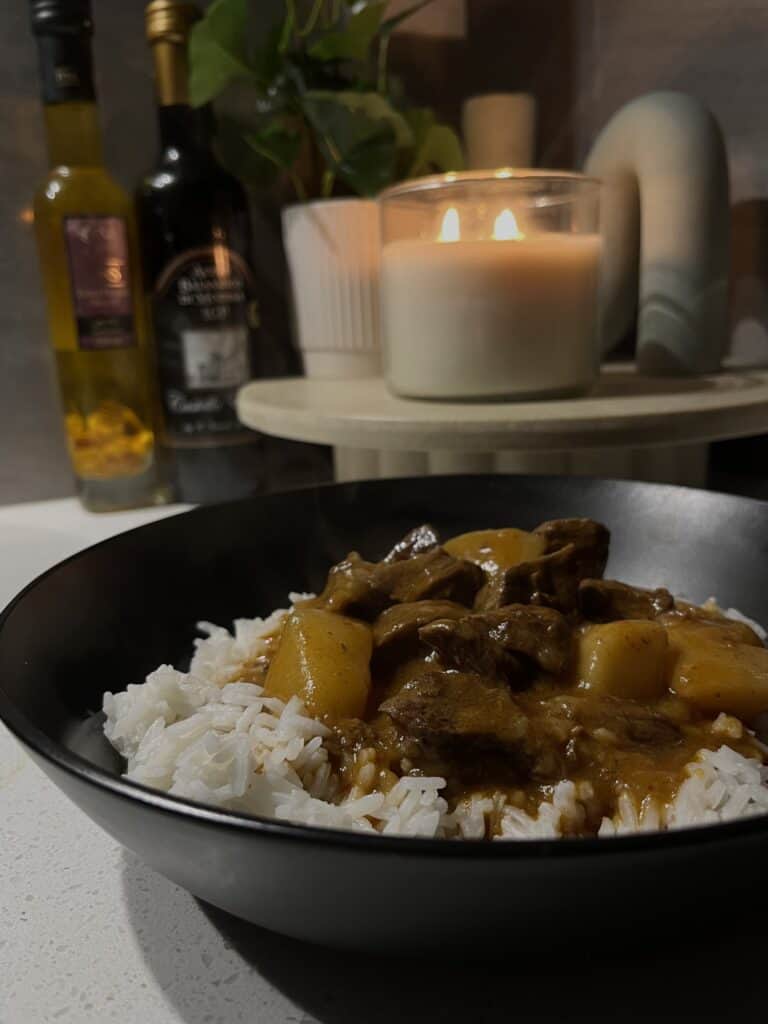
{"x":493,"y":318}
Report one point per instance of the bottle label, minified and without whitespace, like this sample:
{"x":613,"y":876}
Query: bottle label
{"x":97,"y":248}
{"x":204,"y":315}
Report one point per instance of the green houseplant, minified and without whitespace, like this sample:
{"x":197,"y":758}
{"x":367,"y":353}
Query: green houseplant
{"x":307,"y":109}
{"x":304,"y":97}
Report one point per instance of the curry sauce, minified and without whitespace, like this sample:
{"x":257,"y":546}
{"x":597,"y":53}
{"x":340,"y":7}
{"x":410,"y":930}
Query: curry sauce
{"x":504,"y":663}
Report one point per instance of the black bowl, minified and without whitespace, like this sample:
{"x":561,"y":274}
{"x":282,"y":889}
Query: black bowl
{"x":102,"y":619}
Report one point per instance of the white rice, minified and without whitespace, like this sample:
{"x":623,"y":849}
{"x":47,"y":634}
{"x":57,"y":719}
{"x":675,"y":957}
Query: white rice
{"x":211,"y":737}
{"x":734,"y":613}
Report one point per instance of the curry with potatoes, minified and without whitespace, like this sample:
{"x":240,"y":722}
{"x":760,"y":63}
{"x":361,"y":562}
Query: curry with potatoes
{"x":503,"y":660}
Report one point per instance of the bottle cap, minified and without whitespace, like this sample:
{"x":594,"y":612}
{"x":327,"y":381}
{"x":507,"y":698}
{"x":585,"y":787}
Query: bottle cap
{"x":170,"y":20}
{"x":61,"y":17}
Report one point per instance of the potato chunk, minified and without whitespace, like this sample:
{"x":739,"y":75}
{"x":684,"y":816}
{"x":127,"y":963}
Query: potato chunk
{"x":627,"y":658}
{"x":716,"y":672}
{"x":496,"y":550}
{"x":689,"y":616}
{"x":324,"y":658}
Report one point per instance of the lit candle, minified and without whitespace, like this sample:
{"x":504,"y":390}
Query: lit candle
{"x":513,"y":314}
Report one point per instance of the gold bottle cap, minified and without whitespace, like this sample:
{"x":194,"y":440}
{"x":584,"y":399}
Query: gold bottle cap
{"x":170,"y":20}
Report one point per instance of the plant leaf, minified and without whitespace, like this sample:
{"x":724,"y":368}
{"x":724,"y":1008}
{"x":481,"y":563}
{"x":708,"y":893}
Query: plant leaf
{"x":420,"y":120}
{"x":217,"y":50}
{"x":436,"y":146}
{"x":370,"y":106}
{"x":242,"y":160}
{"x":275,"y":144}
{"x":370,"y":166}
{"x":353,"y":40}
{"x":359,"y":136}
{"x":257,"y":157}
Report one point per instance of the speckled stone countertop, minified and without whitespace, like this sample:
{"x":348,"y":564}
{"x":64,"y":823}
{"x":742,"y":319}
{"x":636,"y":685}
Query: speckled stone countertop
{"x":89,"y":935}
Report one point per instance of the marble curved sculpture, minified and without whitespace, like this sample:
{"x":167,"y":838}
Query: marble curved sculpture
{"x":665,"y":217}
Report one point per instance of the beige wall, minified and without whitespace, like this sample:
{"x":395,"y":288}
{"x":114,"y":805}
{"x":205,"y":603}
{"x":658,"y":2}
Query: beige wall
{"x":716,"y":50}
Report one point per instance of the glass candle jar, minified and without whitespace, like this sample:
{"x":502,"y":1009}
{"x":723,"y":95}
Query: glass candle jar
{"x":489,"y":285}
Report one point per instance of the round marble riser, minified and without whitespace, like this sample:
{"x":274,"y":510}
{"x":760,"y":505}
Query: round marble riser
{"x":632,"y":426}
{"x":678,"y":464}
{"x":627,"y":411}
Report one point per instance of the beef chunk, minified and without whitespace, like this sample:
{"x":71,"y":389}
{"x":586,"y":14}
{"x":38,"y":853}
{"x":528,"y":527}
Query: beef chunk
{"x":433,"y":575}
{"x":590,"y":539}
{"x":457,"y":714}
{"x":608,"y":600}
{"x":416,"y":542}
{"x":630,"y":723}
{"x":467,"y":646}
{"x":576,"y":549}
{"x":492,"y":643}
{"x":395,"y":631}
{"x":479,"y":730}
{"x":551,"y":581}
{"x":351,"y":589}
{"x":364,"y":589}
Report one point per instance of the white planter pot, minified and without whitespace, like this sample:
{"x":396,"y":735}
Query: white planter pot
{"x":333,"y":249}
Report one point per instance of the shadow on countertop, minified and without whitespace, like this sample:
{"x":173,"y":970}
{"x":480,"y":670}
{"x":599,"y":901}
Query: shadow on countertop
{"x":215,"y":969}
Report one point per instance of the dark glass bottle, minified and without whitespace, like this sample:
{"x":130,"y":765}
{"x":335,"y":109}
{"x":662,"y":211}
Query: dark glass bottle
{"x":196,"y":238}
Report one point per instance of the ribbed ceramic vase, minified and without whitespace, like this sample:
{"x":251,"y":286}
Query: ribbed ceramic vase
{"x":333,"y":256}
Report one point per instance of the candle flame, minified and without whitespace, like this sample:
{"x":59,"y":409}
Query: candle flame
{"x":450,"y":230}
{"x":505,"y":226}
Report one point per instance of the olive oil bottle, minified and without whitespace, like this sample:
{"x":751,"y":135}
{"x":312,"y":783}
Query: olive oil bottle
{"x":196,"y":240}
{"x":88,"y":248}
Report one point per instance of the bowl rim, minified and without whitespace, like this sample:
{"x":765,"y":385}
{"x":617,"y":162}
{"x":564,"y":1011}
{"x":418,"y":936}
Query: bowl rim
{"x":34,"y":740}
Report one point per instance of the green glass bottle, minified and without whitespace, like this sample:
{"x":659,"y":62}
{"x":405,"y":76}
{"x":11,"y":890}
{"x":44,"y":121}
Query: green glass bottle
{"x":88,"y":248}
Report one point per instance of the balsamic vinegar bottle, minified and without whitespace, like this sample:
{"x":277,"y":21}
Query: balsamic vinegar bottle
{"x":195,"y":234}
{"x":86,"y":234}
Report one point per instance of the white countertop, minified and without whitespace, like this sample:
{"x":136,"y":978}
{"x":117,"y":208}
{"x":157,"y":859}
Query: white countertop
{"x":87,"y":932}
{"x":89,"y":935}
